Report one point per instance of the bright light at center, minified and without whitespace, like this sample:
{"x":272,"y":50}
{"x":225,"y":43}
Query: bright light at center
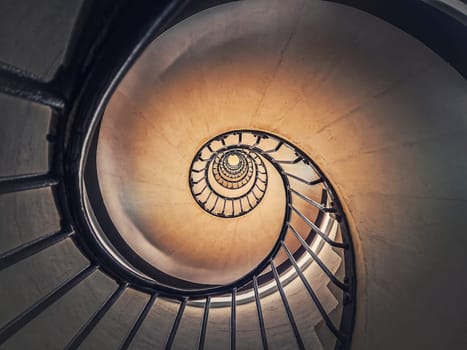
{"x":233,"y":160}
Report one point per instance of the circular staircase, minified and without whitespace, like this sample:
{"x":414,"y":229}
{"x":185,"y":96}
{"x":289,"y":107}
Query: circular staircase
{"x":186,"y":175}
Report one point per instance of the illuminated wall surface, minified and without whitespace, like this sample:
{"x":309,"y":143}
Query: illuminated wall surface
{"x":382,"y":115}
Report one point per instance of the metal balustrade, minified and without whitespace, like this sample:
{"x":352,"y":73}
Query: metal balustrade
{"x":79,"y":112}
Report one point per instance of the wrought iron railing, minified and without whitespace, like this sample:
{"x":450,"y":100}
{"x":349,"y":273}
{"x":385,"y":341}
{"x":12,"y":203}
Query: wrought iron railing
{"x":229,"y":181}
{"x":77,"y":113}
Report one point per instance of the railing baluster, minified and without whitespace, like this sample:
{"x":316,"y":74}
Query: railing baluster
{"x":139,"y":322}
{"x":20,"y":183}
{"x":176,"y":324}
{"x":33,"y":311}
{"x":295,"y":161}
{"x":28,"y":249}
{"x":317,"y":230}
{"x":197,"y":194}
{"x":233,"y":320}
{"x":320,"y":307}
{"x":279,"y":145}
{"x":287,"y":307}
{"x":313,"y":203}
{"x":20,"y":84}
{"x":204,"y":325}
{"x":254,"y":194}
{"x":307,"y":182}
{"x":323,"y":266}
{"x":207,"y":198}
{"x":258,"y":140}
{"x":197,"y":181}
{"x":215,"y":203}
{"x":94,"y":320}
{"x":248,"y":200}
{"x":260,"y":314}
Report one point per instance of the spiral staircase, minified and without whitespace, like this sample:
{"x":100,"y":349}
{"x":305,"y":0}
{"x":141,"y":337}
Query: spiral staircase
{"x":245,"y":175}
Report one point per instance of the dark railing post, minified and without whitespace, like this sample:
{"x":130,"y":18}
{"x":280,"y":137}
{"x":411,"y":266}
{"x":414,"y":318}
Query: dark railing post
{"x":94,"y":320}
{"x":28,"y":249}
{"x":233,"y":320}
{"x":139,"y":321}
{"x":313,"y":295}
{"x":33,"y":311}
{"x":287,"y":308}
{"x":26,"y":182}
{"x":204,"y":325}
{"x":262,"y":328}
{"x":176,"y":324}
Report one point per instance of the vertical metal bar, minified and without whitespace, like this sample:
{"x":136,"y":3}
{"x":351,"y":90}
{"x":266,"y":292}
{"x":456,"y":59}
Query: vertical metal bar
{"x":20,"y":183}
{"x":295,"y":161}
{"x":29,"y":314}
{"x":176,"y":324}
{"x":223,"y":208}
{"x":321,"y":310}
{"x":24,"y":85}
{"x":249,"y":203}
{"x":215,"y":203}
{"x":94,"y":320}
{"x":233,"y":320}
{"x":202,"y":336}
{"x":258,"y":140}
{"x":260,"y":315}
{"x":279,"y":145}
{"x":318,"y":231}
{"x":139,"y":321}
{"x":307,"y":182}
{"x":207,"y":198}
{"x":24,"y":251}
{"x":317,"y":205}
{"x":287,"y":307}
{"x":323,"y":266}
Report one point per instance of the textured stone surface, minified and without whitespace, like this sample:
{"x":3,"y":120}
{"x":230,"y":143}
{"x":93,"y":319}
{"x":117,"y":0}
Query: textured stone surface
{"x":25,"y":216}
{"x":23,"y":144}
{"x":34,"y":36}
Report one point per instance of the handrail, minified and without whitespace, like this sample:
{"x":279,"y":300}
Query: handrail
{"x":66,"y":179}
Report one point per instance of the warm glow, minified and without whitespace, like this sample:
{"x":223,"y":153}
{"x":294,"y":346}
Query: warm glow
{"x":233,"y":160}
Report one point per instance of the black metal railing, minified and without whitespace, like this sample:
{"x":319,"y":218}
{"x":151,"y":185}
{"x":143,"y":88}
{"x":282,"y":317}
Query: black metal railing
{"x":77,"y":115}
{"x":230,"y":180}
